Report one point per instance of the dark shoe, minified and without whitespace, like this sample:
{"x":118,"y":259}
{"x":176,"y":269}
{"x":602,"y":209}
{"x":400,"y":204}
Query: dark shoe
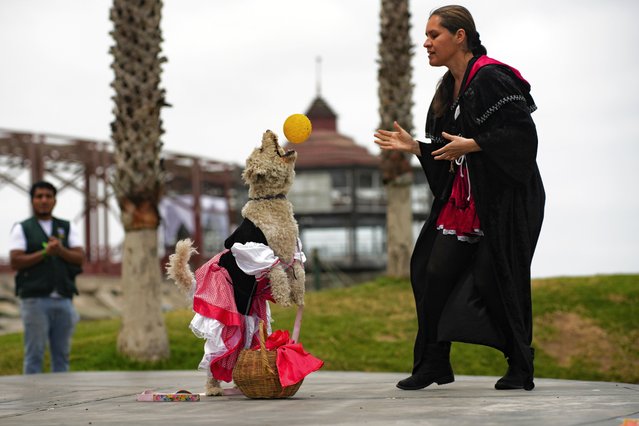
{"x":422,"y":380}
{"x":516,"y":377}
{"x":435,"y":368}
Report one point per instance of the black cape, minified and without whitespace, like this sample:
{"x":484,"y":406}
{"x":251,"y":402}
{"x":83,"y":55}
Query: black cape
{"x":495,"y":109}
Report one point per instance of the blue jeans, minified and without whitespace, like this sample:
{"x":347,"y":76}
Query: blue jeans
{"x":52,"y":320}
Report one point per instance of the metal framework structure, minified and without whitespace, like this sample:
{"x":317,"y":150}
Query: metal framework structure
{"x":84,"y":167}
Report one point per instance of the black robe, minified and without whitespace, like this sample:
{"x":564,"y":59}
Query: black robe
{"x":495,"y":109}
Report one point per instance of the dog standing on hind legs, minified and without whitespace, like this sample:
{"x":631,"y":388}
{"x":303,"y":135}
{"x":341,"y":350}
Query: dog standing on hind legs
{"x":262,"y":261}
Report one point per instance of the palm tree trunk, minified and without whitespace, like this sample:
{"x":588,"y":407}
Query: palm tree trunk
{"x":138,"y":179}
{"x":143,"y":333}
{"x":395,"y":103}
{"x":399,"y":219}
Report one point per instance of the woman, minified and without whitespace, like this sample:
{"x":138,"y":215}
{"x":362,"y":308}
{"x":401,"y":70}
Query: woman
{"x":470,"y":268}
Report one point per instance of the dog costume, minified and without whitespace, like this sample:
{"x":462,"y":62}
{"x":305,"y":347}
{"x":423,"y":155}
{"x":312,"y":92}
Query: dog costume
{"x":262,"y":261}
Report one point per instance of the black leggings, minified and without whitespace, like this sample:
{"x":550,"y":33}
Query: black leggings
{"x":448,"y":260}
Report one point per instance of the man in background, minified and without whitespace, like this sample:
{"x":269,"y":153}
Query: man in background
{"x":47,"y":254}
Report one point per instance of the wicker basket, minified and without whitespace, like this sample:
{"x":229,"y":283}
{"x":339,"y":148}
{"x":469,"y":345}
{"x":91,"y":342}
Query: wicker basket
{"x":255,"y":374}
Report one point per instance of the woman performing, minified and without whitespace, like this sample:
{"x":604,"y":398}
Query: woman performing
{"x":470,"y":268}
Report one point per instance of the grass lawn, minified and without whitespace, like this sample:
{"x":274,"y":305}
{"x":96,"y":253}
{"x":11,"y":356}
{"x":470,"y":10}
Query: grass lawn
{"x":586,"y":328}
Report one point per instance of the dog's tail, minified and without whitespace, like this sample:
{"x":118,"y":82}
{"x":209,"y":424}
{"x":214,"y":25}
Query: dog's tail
{"x":178,"y":270}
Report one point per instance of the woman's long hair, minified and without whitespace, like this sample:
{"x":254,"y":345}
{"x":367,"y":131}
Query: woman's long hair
{"x":454,"y":18}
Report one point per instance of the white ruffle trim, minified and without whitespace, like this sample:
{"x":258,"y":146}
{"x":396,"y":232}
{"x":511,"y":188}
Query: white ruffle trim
{"x":206,"y":328}
{"x":253,"y":258}
{"x":211,"y":330}
{"x":256,"y":258}
{"x":465,"y":238}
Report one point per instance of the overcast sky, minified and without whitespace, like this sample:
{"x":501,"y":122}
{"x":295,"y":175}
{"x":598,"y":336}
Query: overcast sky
{"x":237,"y":68}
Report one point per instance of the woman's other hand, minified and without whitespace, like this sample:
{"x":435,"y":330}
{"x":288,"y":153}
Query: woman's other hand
{"x":457,"y":147}
{"x":399,"y":140}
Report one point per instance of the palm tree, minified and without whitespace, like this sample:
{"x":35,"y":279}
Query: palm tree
{"x":395,"y":93}
{"x":138,"y":178}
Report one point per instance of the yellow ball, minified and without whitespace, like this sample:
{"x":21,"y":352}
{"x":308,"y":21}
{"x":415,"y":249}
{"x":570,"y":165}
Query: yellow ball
{"x":297,"y":128}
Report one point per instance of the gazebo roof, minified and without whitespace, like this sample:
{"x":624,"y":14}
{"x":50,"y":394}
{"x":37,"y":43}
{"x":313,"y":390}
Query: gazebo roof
{"x":320,"y":109}
{"x":326,"y":147}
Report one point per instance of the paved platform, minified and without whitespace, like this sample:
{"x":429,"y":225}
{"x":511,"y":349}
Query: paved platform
{"x":326,"y":397}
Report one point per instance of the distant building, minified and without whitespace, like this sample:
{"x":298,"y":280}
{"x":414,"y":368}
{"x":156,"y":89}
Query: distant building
{"x":339,"y":199}
{"x":338,"y":196}
{"x":200,"y":195}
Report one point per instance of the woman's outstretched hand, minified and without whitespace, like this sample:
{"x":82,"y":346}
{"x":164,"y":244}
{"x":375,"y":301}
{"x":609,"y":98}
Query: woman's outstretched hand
{"x":399,"y":140}
{"x":457,"y":147}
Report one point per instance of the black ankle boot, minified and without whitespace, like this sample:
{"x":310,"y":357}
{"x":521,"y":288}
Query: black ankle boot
{"x":435,"y":368}
{"x":422,"y":380}
{"x":516,"y":377}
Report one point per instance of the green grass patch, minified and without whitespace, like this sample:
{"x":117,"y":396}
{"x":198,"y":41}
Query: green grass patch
{"x":585,"y":328}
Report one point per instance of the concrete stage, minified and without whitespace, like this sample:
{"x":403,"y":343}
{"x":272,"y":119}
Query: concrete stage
{"x":325,"y":398}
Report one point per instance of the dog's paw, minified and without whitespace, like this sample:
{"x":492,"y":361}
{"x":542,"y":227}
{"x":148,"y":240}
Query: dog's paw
{"x":280,"y":287}
{"x":297,"y":296}
{"x":282,"y":298}
{"x":214,"y":392}
{"x":213,"y":388}
{"x":297,"y":285}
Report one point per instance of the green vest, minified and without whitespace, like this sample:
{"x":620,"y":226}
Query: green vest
{"x":53,"y":273}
